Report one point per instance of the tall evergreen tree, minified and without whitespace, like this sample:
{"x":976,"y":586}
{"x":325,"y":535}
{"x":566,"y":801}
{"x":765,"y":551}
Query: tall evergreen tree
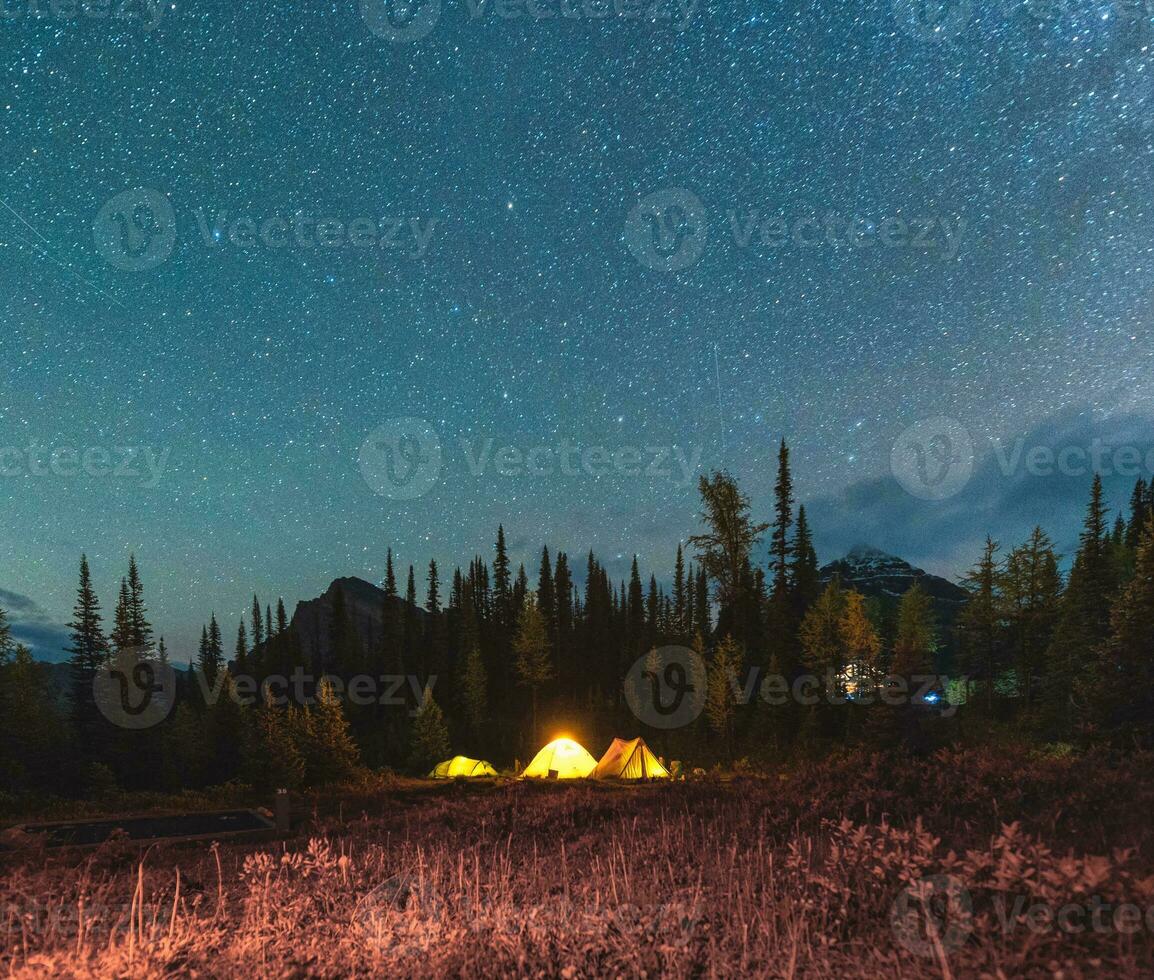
{"x":680,"y":612}
{"x":258,"y":636}
{"x":140,"y":630}
{"x":980,"y":624}
{"x":531,"y":647}
{"x":1083,"y":621}
{"x":88,"y":653}
{"x":779,"y":546}
{"x":502,"y":585}
{"x":240,"y":654}
{"x":1031,"y":586}
{"x":430,"y":738}
{"x":1118,"y":687}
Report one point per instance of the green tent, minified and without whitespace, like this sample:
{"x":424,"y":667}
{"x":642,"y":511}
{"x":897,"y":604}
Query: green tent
{"x":461,"y":767}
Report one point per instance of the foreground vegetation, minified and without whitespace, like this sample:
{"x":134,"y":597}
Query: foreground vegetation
{"x":811,"y":872}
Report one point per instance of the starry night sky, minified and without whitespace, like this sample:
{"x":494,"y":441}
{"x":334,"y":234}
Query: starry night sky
{"x":524,"y":144}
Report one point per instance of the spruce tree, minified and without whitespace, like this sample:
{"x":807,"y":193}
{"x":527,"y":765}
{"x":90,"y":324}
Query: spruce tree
{"x":680,"y":617}
{"x":429,"y":742}
{"x":88,"y":653}
{"x":1083,"y":621}
{"x":392,"y":654}
{"x":474,"y":694}
{"x":502,"y":585}
{"x":1118,"y":688}
{"x":980,"y":624}
{"x":779,"y":545}
{"x":258,"y":636}
{"x":240,"y":654}
{"x":331,"y":754}
{"x":140,"y":630}
{"x":531,"y":648}
{"x":1031,"y":586}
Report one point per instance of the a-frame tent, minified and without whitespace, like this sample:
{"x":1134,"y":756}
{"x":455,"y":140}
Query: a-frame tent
{"x":629,"y":759}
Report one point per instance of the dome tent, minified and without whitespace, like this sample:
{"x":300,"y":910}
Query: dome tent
{"x":561,"y":759}
{"x":629,"y":759}
{"x":461,"y":766}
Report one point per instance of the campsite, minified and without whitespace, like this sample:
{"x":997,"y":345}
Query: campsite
{"x":586,"y":877}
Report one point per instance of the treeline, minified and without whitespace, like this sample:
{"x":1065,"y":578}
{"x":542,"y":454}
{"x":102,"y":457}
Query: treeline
{"x":505,"y":660}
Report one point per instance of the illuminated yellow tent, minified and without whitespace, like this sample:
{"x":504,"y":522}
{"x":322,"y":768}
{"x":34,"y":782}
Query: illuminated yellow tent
{"x":561,"y":759}
{"x":459,"y":765}
{"x":629,"y":760}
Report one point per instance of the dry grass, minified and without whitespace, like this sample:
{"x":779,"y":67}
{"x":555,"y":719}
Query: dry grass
{"x":774,"y":877}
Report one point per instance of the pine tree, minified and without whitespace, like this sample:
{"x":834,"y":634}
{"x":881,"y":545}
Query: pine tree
{"x":436,"y":637}
{"x":474,"y":693}
{"x":1083,"y":621}
{"x":412,"y":626}
{"x":331,"y":754}
{"x":88,"y":653}
{"x":803,"y":572}
{"x":392,"y":655}
{"x":916,"y":642}
{"x":1031,"y":586}
{"x":502,"y":585}
{"x":140,"y":630}
{"x":210,"y":659}
{"x":980,"y":624}
{"x":240,"y":655}
{"x":258,"y":636}
{"x":1119,"y":688}
{"x":531,"y":648}
{"x":281,"y":618}
{"x":546,"y":593}
{"x":1138,"y":514}
{"x":429,"y":743}
{"x":779,"y":548}
{"x":680,"y":599}
{"x":121,"y":636}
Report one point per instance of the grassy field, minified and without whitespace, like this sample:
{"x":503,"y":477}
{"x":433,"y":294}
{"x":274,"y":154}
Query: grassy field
{"x":957,"y":865}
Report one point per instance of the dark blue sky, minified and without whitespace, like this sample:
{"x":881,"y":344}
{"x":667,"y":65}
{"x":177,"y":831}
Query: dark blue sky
{"x":873,"y":223}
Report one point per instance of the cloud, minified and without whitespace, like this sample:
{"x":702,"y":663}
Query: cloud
{"x":1041,"y":477}
{"x":33,"y":627}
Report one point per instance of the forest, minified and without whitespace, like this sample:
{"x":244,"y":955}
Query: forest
{"x":1045,"y":651}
